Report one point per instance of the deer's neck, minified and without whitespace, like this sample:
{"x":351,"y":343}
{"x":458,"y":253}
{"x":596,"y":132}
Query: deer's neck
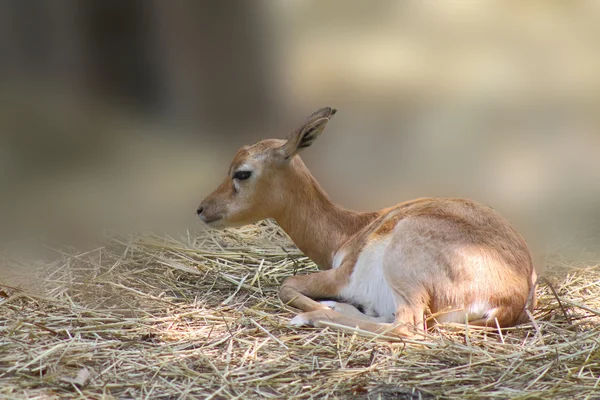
{"x":317,"y":226}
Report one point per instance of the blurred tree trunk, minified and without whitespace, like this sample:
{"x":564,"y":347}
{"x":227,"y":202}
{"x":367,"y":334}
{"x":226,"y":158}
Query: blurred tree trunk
{"x":41,"y":47}
{"x":10,"y":55}
{"x":117,"y":34}
{"x":214,"y":65}
{"x":67,"y":58}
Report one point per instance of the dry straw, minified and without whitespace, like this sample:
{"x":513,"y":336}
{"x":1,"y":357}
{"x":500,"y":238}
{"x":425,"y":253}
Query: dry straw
{"x":199,"y":317}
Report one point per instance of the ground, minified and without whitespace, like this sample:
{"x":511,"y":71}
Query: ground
{"x":199,"y":317}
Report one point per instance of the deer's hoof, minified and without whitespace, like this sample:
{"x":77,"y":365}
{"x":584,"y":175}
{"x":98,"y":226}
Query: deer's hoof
{"x":301,"y":320}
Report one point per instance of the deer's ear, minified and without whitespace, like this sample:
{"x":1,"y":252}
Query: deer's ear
{"x":309,"y":132}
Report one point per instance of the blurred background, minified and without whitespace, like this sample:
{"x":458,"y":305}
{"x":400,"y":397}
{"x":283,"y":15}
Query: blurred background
{"x":122,"y":115}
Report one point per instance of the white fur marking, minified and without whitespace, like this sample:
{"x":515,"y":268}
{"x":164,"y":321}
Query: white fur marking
{"x":368,"y":286}
{"x":299,"y":320}
{"x":479,"y":310}
{"x":330,"y":304}
{"x":351,"y":311}
{"x":338,"y":259}
{"x":245,"y":167}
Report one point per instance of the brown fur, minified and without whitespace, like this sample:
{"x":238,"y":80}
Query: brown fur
{"x":438,"y":247}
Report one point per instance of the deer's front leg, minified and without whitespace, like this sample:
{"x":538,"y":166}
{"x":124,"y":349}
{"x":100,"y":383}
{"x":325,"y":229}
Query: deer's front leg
{"x":300,"y":290}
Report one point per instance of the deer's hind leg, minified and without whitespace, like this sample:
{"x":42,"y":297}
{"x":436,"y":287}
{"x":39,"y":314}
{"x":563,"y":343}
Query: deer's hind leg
{"x":350,"y":310}
{"x":405,"y":325}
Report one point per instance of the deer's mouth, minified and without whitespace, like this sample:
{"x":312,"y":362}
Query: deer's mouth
{"x":208,"y":219}
{"x":212,"y":220}
{"x":215,"y":222}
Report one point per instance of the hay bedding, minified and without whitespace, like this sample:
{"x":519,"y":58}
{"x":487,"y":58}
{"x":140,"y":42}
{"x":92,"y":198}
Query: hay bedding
{"x":199,"y":317}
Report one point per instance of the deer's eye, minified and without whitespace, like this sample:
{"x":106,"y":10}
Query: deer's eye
{"x":242,"y":175}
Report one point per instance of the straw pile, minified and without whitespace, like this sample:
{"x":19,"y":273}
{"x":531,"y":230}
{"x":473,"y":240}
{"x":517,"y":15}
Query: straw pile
{"x":199,"y":317}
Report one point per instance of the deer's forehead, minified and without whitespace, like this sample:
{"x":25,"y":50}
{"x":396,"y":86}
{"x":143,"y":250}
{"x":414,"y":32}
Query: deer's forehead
{"x":249,"y":155}
{"x":240,"y":157}
{"x":245,"y":159}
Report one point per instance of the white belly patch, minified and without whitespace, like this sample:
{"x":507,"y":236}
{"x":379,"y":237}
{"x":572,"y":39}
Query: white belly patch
{"x":368,"y":287}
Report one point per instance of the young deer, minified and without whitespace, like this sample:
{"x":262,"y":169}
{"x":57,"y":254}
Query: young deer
{"x":383,"y":270}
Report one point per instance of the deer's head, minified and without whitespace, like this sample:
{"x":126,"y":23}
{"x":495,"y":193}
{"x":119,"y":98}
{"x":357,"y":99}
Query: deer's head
{"x":260,"y":176}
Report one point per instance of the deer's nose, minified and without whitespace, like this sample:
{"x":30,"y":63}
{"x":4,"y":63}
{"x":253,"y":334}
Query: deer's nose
{"x":199,"y":211}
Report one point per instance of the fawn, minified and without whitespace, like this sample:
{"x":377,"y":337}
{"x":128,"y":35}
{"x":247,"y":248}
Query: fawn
{"x":381,"y":271}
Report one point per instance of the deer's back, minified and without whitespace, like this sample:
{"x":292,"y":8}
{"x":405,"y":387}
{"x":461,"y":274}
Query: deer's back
{"x":460,"y":222}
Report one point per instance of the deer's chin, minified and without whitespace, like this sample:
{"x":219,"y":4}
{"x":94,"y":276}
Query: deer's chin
{"x":223,"y":223}
{"x":218,"y":224}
